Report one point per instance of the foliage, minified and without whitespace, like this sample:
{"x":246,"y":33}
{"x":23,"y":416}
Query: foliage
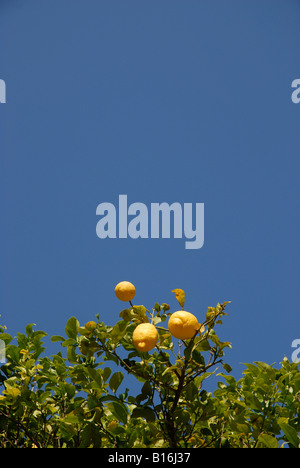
{"x":71,"y":399}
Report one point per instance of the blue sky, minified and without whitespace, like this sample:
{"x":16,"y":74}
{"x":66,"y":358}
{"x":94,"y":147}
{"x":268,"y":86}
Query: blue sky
{"x":168,"y":101}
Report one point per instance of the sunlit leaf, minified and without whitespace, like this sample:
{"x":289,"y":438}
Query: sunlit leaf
{"x":180,"y":296}
{"x":71,"y":328}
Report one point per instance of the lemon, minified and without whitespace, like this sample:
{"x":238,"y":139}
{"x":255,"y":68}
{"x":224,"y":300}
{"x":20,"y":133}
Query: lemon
{"x":183,"y":325}
{"x":125,"y":291}
{"x":145,"y":337}
{"x":91,"y":326}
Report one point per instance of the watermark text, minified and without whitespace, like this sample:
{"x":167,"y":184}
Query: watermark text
{"x":296,"y":353}
{"x":160,"y":220}
{"x":2,"y":92}
{"x":296,"y":93}
{"x":2,"y":352}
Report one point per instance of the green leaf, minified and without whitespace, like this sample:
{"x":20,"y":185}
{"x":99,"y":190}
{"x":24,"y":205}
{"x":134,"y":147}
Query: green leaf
{"x":69,"y":342}
{"x":29,"y":329}
{"x":109,"y":398}
{"x":210,"y":316}
{"x":140,"y":313}
{"x":291,"y":434}
{"x":126,"y":314}
{"x":71,"y":328}
{"x":119,"y":330}
{"x":147,"y":388}
{"x":203,"y":345}
{"x":182,"y":416}
{"x":253,"y":401}
{"x":56,"y":338}
{"x":251,"y":368}
{"x":145,"y":413}
{"x":71,"y":355}
{"x":224,"y":344}
{"x":106,"y":373}
{"x":38,"y":334}
{"x":268,"y":441}
{"x":95,"y":375}
{"x":13,"y":353}
{"x":90,"y":436}
{"x":196,"y":356}
{"x":227,"y":367}
{"x":6,"y":338}
{"x":191,"y":392}
{"x":119,"y":410}
{"x":115,"y":381}
{"x":263,"y":366}
{"x":66,"y":430}
{"x":70,"y":390}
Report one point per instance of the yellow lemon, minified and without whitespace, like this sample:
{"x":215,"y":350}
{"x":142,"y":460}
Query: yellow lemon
{"x":145,"y":337}
{"x":125,"y":291}
{"x":183,"y":325}
{"x":91,"y":326}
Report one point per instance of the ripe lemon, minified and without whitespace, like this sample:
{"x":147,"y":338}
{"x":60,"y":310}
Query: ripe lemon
{"x":125,"y":291}
{"x":183,"y":325}
{"x":145,"y":337}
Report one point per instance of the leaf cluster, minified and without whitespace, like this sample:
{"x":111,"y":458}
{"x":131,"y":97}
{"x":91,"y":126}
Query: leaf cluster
{"x":78,"y":398}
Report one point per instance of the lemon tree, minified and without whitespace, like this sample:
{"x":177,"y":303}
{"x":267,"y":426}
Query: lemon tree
{"x":79,"y":397}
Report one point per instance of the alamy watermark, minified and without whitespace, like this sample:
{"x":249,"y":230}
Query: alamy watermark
{"x":296,"y":93}
{"x":137,"y":221}
{"x":296,"y":353}
{"x":2,"y":92}
{"x":2,"y":352}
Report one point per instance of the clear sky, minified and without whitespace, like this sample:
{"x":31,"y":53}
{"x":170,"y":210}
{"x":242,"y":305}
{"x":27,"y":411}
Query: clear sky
{"x":164,"y":101}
